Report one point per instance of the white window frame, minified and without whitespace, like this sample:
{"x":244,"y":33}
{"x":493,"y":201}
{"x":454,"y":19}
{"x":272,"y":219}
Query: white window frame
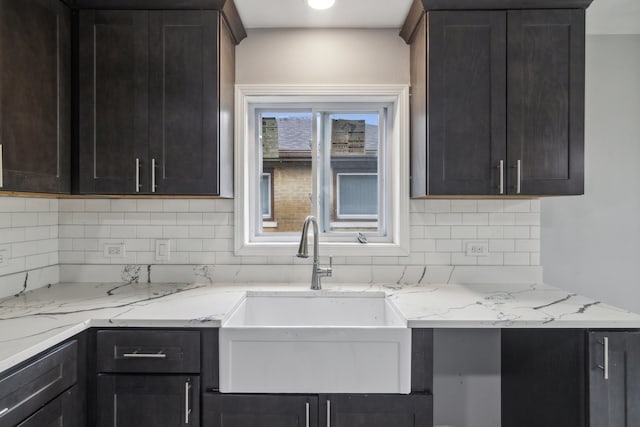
{"x":249,"y":98}
{"x":350,"y":216}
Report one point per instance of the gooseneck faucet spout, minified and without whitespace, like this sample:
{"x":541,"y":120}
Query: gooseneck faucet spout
{"x":303,"y":252}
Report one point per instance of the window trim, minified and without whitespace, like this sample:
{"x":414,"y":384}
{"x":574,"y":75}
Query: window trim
{"x":269,"y":216}
{"x":248,"y":98}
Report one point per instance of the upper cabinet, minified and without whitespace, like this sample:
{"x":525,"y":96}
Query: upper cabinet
{"x":497,"y":97}
{"x":156,"y":100}
{"x":35,"y":99}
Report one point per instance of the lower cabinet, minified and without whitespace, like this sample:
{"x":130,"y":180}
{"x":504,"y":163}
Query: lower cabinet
{"x":570,"y":378}
{"x":148,"y":400}
{"x":61,"y":412}
{"x":335,"y":410}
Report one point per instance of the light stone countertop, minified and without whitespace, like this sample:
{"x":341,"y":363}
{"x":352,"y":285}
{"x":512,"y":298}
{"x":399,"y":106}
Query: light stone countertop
{"x":31,"y":322}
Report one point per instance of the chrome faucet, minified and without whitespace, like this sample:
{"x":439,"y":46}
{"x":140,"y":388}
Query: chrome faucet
{"x":303,"y":252}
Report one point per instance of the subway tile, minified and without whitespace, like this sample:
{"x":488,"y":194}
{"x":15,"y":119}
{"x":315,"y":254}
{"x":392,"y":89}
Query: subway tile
{"x":528,"y":245}
{"x":65,"y":218}
{"x":24,"y":219}
{"x":36,"y":261}
{"x":202,"y":257}
{"x":229,"y":258}
{"x":122,"y":231}
{"x":65,"y":244}
{"x":423,"y":245}
{"x":97,"y":205}
{"x":68,"y":257}
{"x":175,"y":231}
{"x":164,"y":218}
{"x":414,"y":258}
{"x":535,"y":205}
{"x":516,"y":232}
{"x":534,"y":258}
{"x":36,"y":205}
{"x":416,"y":206}
{"x":534,"y":231}
{"x":223,"y":232}
{"x":491,"y":232}
{"x":462,"y":259}
{"x":464,"y":206}
{"x":202,"y":205}
{"x":71,"y":205}
{"x":111,"y":218}
{"x":71,"y":231}
{"x":417,"y":232}
{"x":53,"y":231}
{"x":437,"y":258}
{"x":494,"y":258}
{"x":502,"y":219}
{"x":216,"y":218}
{"x":85,"y":244}
{"x":502,"y":245}
{"x":178,"y":205}
{"x":48,"y":218}
{"x":5,"y":220}
{"x":490,"y":206}
{"x":33,"y":248}
{"x":516,"y":258}
{"x":448,"y":245}
{"x":224,"y":205}
{"x":149,"y":206}
{"x":136,"y":218}
{"x":85,"y":218}
{"x":193,"y":218}
{"x":217,"y":245}
{"x":464,"y":232}
{"x":422,"y":219}
{"x":437,"y":206}
{"x":437,"y":232}
{"x":138,"y":245}
{"x":54,"y":258}
{"x":517,"y":205}
{"x":202,"y":231}
{"x":149,"y":231}
{"x":37,"y":233}
{"x":124,"y":205}
{"x":97,"y":231}
{"x":97,"y":257}
{"x":189,"y":245}
{"x":147,"y":257}
{"x":54,"y":205}
{"x":449,"y":219}
{"x":528,"y":219}
{"x":475,"y":219}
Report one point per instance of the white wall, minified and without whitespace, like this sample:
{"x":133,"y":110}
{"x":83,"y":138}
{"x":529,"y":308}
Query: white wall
{"x":591,"y":243}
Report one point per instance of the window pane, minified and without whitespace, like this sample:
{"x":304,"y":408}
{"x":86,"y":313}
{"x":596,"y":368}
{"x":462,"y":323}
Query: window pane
{"x":265,"y":195}
{"x":286,"y":154}
{"x":357,"y":195}
{"x":352,"y":182}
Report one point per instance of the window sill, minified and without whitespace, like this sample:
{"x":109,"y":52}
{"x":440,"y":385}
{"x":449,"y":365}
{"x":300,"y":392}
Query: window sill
{"x":326,"y":249}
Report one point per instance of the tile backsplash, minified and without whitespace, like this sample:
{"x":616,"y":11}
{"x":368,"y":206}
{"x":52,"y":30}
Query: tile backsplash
{"x":41,"y":232}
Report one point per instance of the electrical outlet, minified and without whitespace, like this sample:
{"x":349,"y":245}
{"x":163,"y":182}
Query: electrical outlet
{"x":4,"y":258}
{"x":479,"y":248}
{"x":163,"y":250}
{"x":114,"y":250}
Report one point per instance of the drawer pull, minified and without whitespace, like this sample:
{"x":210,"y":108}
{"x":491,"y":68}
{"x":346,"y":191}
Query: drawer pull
{"x":144,"y":355}
{"x":4,"y":411}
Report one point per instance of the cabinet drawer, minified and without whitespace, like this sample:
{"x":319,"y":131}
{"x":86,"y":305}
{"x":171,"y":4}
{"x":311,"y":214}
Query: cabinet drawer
{"x":26,"y":390}
{"x":148,"y":351}
{"x":61,"y":412}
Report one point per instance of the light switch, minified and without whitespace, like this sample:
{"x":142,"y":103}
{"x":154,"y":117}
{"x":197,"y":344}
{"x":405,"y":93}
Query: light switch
{"x":163,"y":250}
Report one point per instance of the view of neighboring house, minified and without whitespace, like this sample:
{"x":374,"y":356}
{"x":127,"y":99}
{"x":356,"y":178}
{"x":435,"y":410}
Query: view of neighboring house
{"x":352,"y":183}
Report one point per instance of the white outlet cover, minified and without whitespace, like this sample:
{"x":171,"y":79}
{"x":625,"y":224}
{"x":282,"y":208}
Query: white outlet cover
{"x":478,"y":248}
{"x":115,"y":250}
{"x":163,"y":250}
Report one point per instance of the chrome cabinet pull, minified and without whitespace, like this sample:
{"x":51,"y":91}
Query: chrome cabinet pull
{"x":328,"y":413}
{"x":144,"y":355}
{"x":153,"y":176}
{"x":605,"y":366}
{"x":5,"y":410}
{"x":501,"y":171}
{"x":519,"y":175}
{"x":187,"y":406}
{"x":137,"y":175}
{"x":307,"y":414}
{"x":1,"y":185}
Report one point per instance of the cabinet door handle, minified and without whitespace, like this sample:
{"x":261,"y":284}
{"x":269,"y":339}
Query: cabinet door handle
{"x":5,"y":410}
{"x":153,"y":176}
{"x":518,"y":176}
{"x":605,"y":365}
{"x":187,"y":406}
{"x":306,"y":414}
{"x":137,"y":175}
{"x":501,"y":172}
{"x":328,"y":413}
{"x":1,"y":168}
{"x":144,"y":355}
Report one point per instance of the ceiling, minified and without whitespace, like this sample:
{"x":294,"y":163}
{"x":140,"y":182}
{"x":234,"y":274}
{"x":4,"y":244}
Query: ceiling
{"x":603,"y":17}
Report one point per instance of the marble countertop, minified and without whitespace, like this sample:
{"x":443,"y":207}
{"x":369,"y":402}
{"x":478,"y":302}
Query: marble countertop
{"x":31,"y":322}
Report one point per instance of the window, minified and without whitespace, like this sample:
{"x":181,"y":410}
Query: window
{"x":341,"y":157}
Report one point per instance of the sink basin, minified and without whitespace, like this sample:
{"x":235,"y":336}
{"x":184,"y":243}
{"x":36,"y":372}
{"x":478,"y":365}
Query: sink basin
{"x":315,"y":342}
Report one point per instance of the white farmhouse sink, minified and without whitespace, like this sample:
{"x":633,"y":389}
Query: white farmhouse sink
{"x":315,"y":342}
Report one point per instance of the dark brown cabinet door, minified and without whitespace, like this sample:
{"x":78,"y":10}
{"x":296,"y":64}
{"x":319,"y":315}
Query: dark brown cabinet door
{"x":545,"y":118}
{"x":183,"y":104}
{"x":229,"y":410}
{"x":614,"y":379}
{"x":148,"y":401}
{"x":346,"y":410}
{"x":35,"y":95}
{"x":63,"y":411}
{"x":113,"y":102}
{"x":466,"y":101}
